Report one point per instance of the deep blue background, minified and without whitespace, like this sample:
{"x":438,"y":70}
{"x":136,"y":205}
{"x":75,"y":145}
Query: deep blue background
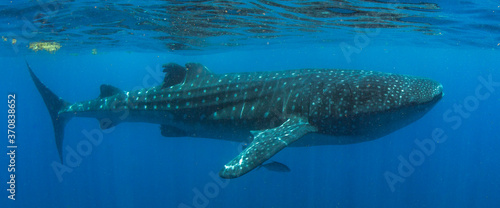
{"x":135,"y":166}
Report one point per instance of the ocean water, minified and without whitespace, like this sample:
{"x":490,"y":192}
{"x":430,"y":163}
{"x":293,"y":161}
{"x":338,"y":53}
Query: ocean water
{"x":124,"y":44}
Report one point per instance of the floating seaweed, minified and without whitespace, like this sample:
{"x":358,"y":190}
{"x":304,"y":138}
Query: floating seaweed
{"x":51,"y":47}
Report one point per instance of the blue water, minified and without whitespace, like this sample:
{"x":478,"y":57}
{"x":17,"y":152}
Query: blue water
{"x":134,"y":166}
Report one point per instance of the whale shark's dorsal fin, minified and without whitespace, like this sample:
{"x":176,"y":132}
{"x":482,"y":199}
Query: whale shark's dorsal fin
{"x":176,"y":74}
{"x":196,"y":70}
{"x":266,"y":143}
{"x":108,"y":90}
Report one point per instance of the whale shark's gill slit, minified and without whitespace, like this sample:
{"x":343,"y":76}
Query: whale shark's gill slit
{"x":285,"y":103}
{"x":351,"y":100}
{"x":242,"y":109}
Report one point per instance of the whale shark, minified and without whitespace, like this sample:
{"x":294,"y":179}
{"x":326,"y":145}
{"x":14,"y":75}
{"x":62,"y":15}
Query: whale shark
{"x":271,"y":110}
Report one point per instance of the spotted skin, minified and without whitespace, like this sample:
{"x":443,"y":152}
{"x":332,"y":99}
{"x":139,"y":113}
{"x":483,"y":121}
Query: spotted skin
{"x":348,"y":106}
{"x":266,"y":143}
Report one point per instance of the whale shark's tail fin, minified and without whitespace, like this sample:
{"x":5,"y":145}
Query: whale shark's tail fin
{"x":54,"y":105}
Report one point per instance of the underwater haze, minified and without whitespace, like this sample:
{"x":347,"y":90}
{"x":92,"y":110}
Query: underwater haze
{"x":448,"y":158}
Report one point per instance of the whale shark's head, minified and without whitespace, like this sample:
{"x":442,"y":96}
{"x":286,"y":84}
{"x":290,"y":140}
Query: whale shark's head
{"x":415,"y":93}
{"x":381,"y":103}
{"x":391,"y":92}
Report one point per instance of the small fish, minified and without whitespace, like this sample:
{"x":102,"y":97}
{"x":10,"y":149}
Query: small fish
{"x":276,"y":167}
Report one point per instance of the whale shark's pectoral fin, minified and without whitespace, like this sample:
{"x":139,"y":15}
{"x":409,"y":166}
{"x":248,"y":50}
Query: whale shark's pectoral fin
{"x":266,"y":143}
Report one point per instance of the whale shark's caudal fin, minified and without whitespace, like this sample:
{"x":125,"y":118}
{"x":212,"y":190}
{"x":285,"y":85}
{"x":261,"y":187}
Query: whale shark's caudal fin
{"x":54,"y":105}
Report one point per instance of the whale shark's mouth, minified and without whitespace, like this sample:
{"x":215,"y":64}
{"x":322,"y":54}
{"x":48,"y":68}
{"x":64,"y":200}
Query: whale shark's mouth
{"x":441,"y":94}
{"x":437,"y":94}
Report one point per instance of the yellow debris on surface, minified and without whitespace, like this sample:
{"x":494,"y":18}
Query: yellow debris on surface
{"x":4,"y":38}
{"x":14,"y":41}
{"x":51,"y":47}
{"x":94,"y":51}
